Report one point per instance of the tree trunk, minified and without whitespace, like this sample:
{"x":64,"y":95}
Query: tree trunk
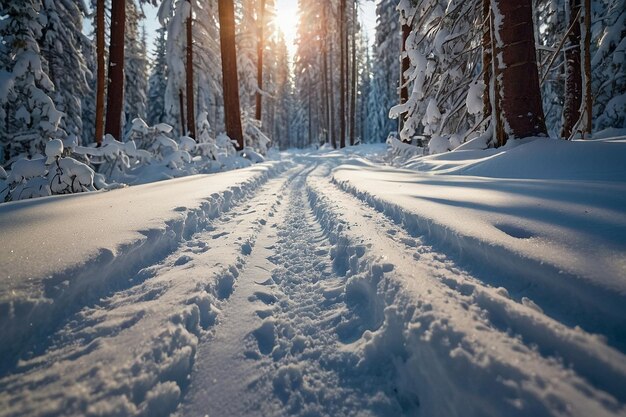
{"x":230,"y":82}
{"x":181,"y":104}
{"x":587,"y":46}
{"x":342,"y":74}
{"x":331,"y":86}
{"x":259,"y":53}
{"x":487,"y":57}
{"x":404,"y":66}
{"x":521,"y":112}
{"x":100,"y":72}
{"x":191,"y":117}
{"x":326,"y":97}
{"x":573,"y":73}
{"x":354,"y":84}
{"x":115,"y":91}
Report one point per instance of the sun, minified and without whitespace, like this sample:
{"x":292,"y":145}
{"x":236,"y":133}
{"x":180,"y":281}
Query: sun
{"x":287,"y":21}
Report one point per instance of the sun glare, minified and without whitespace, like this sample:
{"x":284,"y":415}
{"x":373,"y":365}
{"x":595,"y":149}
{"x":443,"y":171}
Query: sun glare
{"x":287,"y":22}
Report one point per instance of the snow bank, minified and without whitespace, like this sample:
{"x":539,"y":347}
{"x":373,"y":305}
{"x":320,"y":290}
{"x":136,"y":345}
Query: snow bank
{"x":451,"y":343}
{"x":50,"y":267}
{"x":564,"y":240}
{"x":548,"y":159}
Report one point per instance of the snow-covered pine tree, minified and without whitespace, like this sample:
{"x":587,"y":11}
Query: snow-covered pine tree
{"x":283,"y":97}
{"x":28,"y":115}
{"x":62,"y":45}
{"x":135,"y":65}
{"x":157,"y":82}
{"x":207,"y":63}
{"x":364,"y":70}
{"x":609,"y":64}
{"x":386,"y":69}
{"x":172,"y":15}
{"x":443,"y":48}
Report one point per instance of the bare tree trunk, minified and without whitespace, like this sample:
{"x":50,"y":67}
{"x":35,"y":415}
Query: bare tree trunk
{"x":587,"y":63}
{"x":331,"y":80}
{"x":342,"y":74}
{"x":181,"y":104}
{"x":115,"y":96}
{"x":521,"y":110}
{"x":259,"y":53}
{"x":100,"y":72}
{"x":354,"y":72}
{"x":494,"y":89}
{"x":191,"y":117}
{"x":232,"y":111}
{"x":487,"y":57}
{"x":573,"y":73}
{"x":404,"y":66}
{"x":326,"y":97}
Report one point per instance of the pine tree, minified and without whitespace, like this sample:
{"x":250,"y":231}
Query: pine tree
{"x":386,"y":67}
{"x":158,"y":82}
{"x":232,"y":110}
{"x":136,"y":65}
{"x":608,"y":66}
{"x":62,"y":45}
{"x":28,"y":115}
{"x":516,"y":71}
{"x":115,"y":89}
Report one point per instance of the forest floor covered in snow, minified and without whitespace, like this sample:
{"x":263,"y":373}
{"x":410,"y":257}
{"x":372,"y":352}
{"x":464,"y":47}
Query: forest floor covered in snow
{"x":341,"y":283}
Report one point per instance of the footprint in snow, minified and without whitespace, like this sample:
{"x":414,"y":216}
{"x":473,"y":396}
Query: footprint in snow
{"x":266,"y":337}
{"x":264,"y":297}
{"x":182,"y":260}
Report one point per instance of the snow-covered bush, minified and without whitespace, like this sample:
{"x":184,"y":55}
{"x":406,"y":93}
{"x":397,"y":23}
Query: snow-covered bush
{"x":445,"y":96}
{"x":399,"y":152}
{"x":254,"y":138}
{"x":43,"y":176}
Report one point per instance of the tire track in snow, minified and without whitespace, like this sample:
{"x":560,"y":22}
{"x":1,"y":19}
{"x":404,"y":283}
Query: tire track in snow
{"x":280,"y":348}
{"x":132,"y":352}
{"x":564,"y":297}
{"x":29,"y":322}
{"x":449,"y":321}
{"x":586,"y":353}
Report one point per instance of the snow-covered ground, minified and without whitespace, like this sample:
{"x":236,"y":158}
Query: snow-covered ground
{"x":472,"y":283}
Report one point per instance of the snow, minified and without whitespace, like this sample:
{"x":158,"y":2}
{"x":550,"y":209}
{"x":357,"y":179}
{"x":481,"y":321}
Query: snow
{"x":474,"y":283}
{"x":474,"y":100}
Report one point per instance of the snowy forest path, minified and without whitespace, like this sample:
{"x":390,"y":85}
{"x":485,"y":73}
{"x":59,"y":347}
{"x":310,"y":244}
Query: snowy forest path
{"x":277,"y":349}
{"x":303,"y":298}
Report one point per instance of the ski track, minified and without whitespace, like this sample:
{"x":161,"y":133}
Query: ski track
{"x":307,"y":298}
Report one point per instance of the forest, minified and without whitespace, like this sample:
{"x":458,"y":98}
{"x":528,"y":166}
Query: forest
{"x":350,"y":208}
{"x":220,"y":78}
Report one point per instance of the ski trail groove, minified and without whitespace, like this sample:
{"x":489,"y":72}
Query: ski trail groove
{"x":585,"y":305}
{"x":146,"y":378}
{"x":280,"y":348}
{"x":359,"y":224}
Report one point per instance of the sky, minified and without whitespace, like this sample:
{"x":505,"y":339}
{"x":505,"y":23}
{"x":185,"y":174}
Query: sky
{"x":287,"y":14}
{"x":287,"y":18}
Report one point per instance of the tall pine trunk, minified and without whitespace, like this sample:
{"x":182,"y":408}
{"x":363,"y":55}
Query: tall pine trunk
{"x":230,"y":82}
{"x":353,"y":82}
{"x":326,"y":96}
{"x":191,"y":117}
{"x":259,"y":52}
{"x":521,"y":111}
{"x":486,"y":57}
{"x":115,"y":90}
{"x":331,"y":87}
{"x":587,"y":65}
{"x":404,"y":66}
{"x":100,"y":71}
{"x":573,"y":73}
{"x":342,"y":74}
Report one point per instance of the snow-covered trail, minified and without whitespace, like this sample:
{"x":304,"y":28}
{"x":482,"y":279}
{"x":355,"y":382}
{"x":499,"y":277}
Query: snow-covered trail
{"x":302,"y":297}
